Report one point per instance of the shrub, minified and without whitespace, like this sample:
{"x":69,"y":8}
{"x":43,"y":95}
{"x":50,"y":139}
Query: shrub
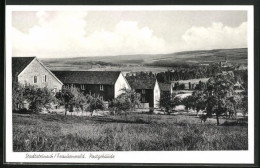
{"x":169,"y":101}
{"x":72,"y":97}
{"x":125,"y":102}
{"x":37,"y":98}
{"x":96,"y":103}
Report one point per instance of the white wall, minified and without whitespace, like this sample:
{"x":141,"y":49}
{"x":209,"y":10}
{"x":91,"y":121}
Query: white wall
{"x":156,"y":95}
{"x":120,"y":84}
{"x":35,"y":68}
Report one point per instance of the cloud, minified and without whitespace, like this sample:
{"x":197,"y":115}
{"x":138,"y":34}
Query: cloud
{"x":127,"y":38}
{"x":216,"y":36}
{"x":62,"y":34}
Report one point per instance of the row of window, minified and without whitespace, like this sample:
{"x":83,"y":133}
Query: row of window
{"x":35,"y":79}
{"x":83,"y":87}
{"x":143,"y":91}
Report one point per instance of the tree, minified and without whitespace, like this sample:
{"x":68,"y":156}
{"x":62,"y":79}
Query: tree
{"x":126,"y":101}
{"x":17,"y":96}
{"x":245,"y":101}
{"x":95,"y":103}
{"x":196,"y":101}
{"x":199,"y":99}
{"x":219,"y":90}
{"x":181,"y":86}
{"x":79,"y":100}
{"x":200,"y":86}
{"x":165,"y":101}
{"x":245,"y":93}
{"x":189,"y":102}
{"x":71,"y":97}
{"x":233,"y":103}
{"x":169,"y":101}
{"x":37,"y":98}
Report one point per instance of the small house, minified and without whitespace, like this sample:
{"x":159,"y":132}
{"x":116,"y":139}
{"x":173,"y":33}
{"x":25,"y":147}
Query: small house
{"x":149,"y":90}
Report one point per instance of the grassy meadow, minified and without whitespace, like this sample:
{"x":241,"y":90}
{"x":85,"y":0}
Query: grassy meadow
{"x":134,"y":132}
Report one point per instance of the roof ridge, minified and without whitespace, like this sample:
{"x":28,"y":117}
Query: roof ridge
{"x":88,"y":77}
{"x":20,"y":63}
{"x":23,"y":56}
{"x":82,"y":71}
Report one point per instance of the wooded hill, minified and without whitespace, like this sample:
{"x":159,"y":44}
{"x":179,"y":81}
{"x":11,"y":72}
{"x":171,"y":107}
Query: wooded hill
{"x":237,"y":56}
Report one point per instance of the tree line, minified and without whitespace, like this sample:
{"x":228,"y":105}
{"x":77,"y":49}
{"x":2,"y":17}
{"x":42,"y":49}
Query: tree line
{"x":218,"y":97}
{"x":180,"y":73}
{"x":184,"y":73}
{"x":70,"y":98}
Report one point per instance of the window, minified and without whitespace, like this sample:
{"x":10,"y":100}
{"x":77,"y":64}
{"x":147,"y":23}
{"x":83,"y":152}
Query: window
{"x":44,"y":78}
{"x":35,"y":79}
{"x":101,"y":87}
{"x":143,"y":91}
{"x":101,"y":98}
{"x":143,"y":99}
{"x":82,"y":87}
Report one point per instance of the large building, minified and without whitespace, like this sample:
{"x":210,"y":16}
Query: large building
{"x":105,"y":84}
{"x":149,"y":90}
{"x":29,"y":70}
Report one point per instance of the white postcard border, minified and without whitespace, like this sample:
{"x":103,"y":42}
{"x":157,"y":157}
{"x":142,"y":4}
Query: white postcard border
{"x":224,"y":157}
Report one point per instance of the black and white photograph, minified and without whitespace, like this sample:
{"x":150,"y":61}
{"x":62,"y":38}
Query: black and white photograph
{"x":98,"y":82}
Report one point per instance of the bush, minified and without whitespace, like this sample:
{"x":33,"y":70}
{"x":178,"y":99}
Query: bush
{"x":168,"y":101}
{"x":125,"y":102}
{"x":72,"y":97}
{"x":37,"y":98}
{"x":95,"y":103}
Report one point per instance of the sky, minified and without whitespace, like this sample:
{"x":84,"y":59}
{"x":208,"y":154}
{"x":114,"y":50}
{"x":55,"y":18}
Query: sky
{"x":48,"y":34}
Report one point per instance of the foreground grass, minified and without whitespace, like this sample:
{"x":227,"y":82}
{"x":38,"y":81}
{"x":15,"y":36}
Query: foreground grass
{"x":137,"y":132}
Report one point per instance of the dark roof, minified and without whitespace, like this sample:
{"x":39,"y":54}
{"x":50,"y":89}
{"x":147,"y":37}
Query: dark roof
{"x":19,"y":63}
{"x":165,"y":86}
{"x":137,"y":83}
{"x":87,"y":77}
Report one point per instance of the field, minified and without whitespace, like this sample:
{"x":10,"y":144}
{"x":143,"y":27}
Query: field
{"x":134,"y":132}
{"x":154,"y":63}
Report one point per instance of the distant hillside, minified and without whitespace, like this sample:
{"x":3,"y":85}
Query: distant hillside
{"x":201,"y":56}
{"x":238,"y":56}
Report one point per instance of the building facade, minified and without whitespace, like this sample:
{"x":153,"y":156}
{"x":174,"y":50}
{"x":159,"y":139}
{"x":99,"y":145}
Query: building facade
{"x":105,"y":84}
{"x":149,"y":90}
{"x":29,"y":70}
